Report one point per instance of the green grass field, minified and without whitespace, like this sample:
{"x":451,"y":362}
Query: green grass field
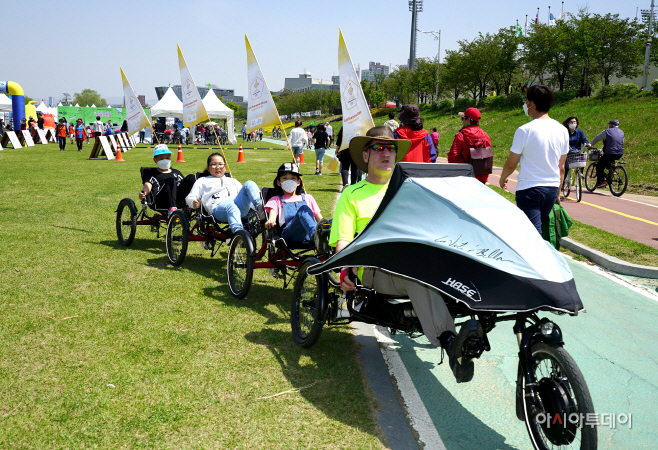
{"x":107,"y":347}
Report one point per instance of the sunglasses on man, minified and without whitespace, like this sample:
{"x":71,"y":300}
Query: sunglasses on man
{"x":382,"y":147}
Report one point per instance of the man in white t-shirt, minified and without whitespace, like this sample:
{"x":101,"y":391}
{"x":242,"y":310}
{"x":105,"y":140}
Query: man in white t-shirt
{"x":541,"y":146}
{"x":330,"y":133}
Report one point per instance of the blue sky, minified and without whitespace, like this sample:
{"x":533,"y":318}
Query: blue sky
{"x":66,"y":46}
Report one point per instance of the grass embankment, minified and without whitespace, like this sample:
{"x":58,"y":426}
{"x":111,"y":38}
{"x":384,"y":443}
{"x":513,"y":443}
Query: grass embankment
{"x":635,"y":117}
{"x":608,"y":243}
{"x":107,"y":347}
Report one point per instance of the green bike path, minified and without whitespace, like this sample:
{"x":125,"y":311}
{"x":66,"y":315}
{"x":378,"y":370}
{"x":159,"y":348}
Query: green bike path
{"x":615,"y":344}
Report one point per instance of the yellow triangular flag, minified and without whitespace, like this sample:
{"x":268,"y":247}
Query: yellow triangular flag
{"x":193,"y":109}
{"x":135,"y":115}
{"x":261,"y":110}
{"x":357,"y":119}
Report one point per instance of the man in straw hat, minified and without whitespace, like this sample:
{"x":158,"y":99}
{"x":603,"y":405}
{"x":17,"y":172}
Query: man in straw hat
{"x":376,"y":154}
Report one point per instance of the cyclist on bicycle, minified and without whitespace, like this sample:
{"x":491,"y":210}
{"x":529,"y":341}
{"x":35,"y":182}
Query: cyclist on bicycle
{"x":613,"y":149}
{"x":577,"y":140}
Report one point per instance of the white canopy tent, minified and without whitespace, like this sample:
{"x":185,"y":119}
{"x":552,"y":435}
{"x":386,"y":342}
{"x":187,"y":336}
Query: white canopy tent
{"x":168,"y":106}
{"x":93,"y":105}
{"x":5,"y":103}
{"x":42,"y":108}
{"x":218,"y":110}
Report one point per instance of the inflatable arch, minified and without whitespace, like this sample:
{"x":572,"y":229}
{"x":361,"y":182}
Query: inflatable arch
{"x":17,"y":101}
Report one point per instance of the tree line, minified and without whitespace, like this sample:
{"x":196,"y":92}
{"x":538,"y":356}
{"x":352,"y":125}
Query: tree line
{"x":582,"y":52}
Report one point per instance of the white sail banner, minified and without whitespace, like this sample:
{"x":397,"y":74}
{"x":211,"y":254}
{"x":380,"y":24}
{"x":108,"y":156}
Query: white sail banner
{"x":357,"y":119}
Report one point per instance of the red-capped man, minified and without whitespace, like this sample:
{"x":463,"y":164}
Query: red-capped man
{"x":470,"y":136}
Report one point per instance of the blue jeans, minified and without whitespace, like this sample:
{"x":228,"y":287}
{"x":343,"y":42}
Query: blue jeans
{"x":537,"y":203}
{"x":297,"y":150}
{"x":319,"y":154}
{"x":302,"y":227}
{"x":234,"y":209}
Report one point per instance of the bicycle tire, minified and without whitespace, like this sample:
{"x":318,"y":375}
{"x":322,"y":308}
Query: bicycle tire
{"x":590,"y":177}
{"x":566,"y":185}
{"x":618,"y":180}
{"x":579,"y":185}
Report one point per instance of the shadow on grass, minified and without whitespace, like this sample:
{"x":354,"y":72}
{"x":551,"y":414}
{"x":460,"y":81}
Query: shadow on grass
{"x":325,"y":376}
{"x":271,"y":302}
{"x":154,"y":245}
{"x":72,"y":229}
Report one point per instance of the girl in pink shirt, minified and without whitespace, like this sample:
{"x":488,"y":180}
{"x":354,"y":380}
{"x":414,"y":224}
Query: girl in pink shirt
{"x":297,"y":213}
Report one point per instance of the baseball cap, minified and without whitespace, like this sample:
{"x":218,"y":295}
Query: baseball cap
{"x":288,"y":168}
{"x":471,"y":113}
{"x":161,"y":149}
{"x":614,"y":122}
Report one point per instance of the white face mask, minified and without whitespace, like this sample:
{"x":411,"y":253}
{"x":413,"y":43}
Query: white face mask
{"x":164,"y":164}
{"x":573,"y":126}
{"x":525,"y":109}
{"x":289,"y":185}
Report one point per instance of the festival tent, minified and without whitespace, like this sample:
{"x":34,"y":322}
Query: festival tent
{"x":93,"y":105}
{"x":60,"y":104}
{"x":5,"y":103}
{"x":77,"y":105}
{"x":42,"y":107}
{"x":168,"y":106}
{"x":218,"y":110}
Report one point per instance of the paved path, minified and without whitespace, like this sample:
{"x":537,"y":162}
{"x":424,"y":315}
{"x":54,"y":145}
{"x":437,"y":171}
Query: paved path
{"x":613,"y":343}
{"x":631,"y":216}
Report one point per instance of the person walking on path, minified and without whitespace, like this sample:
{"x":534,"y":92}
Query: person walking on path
{"x":244,"y":131}
{"x":541,"y":146}
{"x":321,"y":143}
{"x":349,"y":172}
{"x":422,"y":147}
{"x":469,"y":136}
{"x":298,"y":140}
{"x":80,"y":134}
{"x":391,"y":122}
{"x":71,"y":132}
{"x":61,"y":133}
{"x":330,"y":132}
{"x":435,"y":139}
{"x":613,"y":149}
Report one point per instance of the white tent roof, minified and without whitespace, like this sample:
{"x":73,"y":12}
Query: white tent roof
{"x":59,"y":104}
{"x":42,"y":107}
{"x":5,"y":103}
{"x":93,"y":105}
{"x":215,"y":107}
{"x":77,"y":105}
{"x":168,"y":106}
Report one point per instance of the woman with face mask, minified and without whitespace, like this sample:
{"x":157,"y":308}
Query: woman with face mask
{"x":577,"y":139}
{"x":162,"y":180}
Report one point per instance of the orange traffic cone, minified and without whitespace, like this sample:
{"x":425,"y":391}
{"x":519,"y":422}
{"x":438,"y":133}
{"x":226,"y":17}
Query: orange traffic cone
{"x":180,"y":154}
{"x":301,"y":158}
{"x":119,"y":157}
{"x":240,"y":155}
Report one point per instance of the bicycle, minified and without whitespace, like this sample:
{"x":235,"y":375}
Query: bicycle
{"x":615,"y":175}
{"x":577,"y":160}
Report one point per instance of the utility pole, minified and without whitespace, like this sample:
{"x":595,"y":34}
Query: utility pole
{"x":415,"y":6}
{"x":650,"y":13}
{"x":437,"y":37}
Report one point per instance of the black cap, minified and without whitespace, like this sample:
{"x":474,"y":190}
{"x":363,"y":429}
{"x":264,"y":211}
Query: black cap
{"x":288,"y":168}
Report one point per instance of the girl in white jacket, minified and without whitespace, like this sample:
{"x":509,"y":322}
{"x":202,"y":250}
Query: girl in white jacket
{"x":224,"y":197}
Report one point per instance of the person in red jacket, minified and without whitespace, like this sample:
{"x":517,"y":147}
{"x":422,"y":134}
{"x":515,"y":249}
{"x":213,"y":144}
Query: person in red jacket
{"x":422,"y":147}
{"x":61,"y":134}
{"x":470,"y":135}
